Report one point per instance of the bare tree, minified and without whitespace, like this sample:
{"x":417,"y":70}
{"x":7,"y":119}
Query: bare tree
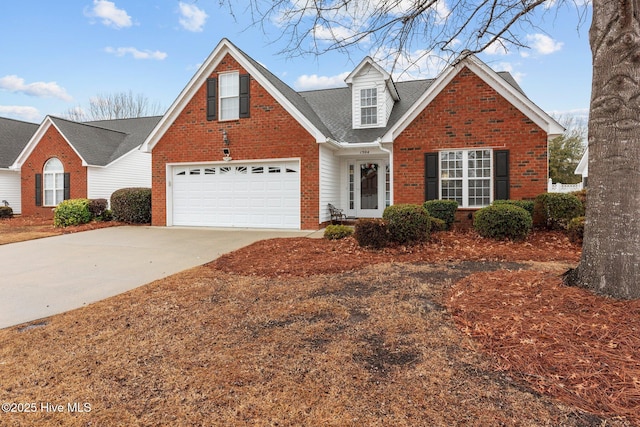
{"x":610,"y":261}
{"x":120,"y":105}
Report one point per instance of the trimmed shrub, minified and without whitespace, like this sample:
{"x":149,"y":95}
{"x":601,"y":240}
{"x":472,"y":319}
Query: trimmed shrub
{"x":407,"y":223}
{"x":97,"y":207}
{"x":582,"y":196}
{"x":442,"y":209}
{"x":575,"y":229}
{"x":371,"y":233}
{"x":71,"y":212}
{"x":107,"y":215}
{"x":336,"y":232}
{"x":503,"y":221}
{"x":527,"y":205}
{"x":132,"y":205}
{"x":553,"y":211}
{"x":437,"y":224}
{"x":6,"y":212}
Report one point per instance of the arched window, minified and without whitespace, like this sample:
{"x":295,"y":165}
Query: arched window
{"x":53,"y":182}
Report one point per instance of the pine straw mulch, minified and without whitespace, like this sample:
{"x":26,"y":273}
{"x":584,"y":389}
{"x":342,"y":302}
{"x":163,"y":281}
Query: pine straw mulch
{"x":312,"y":332}
{"x":23,"y":228}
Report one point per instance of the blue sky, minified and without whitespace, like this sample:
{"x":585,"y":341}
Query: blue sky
{"x":56,"y":55}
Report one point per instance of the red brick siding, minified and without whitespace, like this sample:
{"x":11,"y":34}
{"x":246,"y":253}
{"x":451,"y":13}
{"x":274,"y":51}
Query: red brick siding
{"x":468,"y":113}
{"x":269,"y":133}
{"x":52,"y":144}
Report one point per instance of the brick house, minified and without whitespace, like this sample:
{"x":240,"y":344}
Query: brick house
{"x":69,"y":160}
{"x":14,"y":136}
{"x":240,"y":148}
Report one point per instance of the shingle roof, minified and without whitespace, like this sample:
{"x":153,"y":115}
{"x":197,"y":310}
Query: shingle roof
{"x":101,"y":142}
{"x":329,"y":110}
{"x":14,"y":136}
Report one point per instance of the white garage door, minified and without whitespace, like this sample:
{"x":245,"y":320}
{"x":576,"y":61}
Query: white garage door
{"x":255,"y":195}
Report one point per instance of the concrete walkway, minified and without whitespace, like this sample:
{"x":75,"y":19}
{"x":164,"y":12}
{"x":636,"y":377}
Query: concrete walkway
{"x":42,"y":277}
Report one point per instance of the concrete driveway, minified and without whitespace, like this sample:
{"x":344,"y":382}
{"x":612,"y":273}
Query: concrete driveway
{"x":48,"y":276}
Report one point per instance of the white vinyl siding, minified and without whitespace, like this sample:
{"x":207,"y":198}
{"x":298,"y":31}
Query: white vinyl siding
{"x":329,"y":182}
{"x":10,"y":190}
{"x":131,"y":170}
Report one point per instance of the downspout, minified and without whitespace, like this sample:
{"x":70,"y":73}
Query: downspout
{"x":391,"y":178}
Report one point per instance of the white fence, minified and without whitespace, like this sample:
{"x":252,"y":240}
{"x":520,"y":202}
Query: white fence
{"x":562,"y":188}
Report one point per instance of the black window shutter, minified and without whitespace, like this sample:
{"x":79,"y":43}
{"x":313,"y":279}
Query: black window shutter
{"x":431,"y":176}
{"x":501,"y":175}
{"x":245,"y":84}
{"x":212,"y":99}
{"x":67,"y":184}
{"x":38,"y":189}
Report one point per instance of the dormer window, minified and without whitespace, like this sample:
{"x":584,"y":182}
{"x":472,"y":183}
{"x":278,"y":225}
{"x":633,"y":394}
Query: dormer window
{"x":373,"y":95}
{"x":368,"y":106}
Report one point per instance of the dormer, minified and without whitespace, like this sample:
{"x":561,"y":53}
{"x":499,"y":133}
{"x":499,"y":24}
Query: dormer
{"x":373,"y":95}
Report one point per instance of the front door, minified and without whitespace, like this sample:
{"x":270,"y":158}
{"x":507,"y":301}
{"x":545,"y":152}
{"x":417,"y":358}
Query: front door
{"x":369,"y":194}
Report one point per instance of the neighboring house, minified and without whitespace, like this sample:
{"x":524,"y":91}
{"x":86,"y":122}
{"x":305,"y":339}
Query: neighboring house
{"x":240,"y":148}
{"x":68,"y":160}
{"x":583,"y":167}
{"x":14,"y":136}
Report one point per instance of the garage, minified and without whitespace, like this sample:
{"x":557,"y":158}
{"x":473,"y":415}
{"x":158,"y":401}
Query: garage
{"x":252,"y":195}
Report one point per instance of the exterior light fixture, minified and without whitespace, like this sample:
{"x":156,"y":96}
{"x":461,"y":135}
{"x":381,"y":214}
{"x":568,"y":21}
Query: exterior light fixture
{"x":226,"y":154}
{"x":225,"y":138}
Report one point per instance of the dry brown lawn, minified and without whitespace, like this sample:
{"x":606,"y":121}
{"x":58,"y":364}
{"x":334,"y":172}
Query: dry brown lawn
{"x":20,"y":229}
{"x":306,"y":332}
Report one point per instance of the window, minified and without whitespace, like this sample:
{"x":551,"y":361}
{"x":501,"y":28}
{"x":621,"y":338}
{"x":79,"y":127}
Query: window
{"x":465,"y":176}
{"x":229,"y":96}
{"x":368,"y":106}
{"x":53,"y":182}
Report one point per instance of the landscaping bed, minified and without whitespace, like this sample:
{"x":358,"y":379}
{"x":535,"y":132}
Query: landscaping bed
{"x":457,"y":331}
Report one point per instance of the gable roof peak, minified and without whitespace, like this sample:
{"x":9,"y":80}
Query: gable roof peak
{"x":367,"y":61}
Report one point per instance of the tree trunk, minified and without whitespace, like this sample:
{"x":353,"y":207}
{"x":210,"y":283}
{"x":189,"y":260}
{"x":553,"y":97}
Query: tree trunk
{"x":610,"y":261}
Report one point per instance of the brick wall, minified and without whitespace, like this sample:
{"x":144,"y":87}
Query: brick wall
{"x":52,"y":144}
{"x":468,"y":113}
{"x":269,"y":133}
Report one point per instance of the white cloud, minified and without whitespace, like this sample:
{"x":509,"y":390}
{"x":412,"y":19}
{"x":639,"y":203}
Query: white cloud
{"x":137,"y":54}
{"x":110,"y":15}
{"x":19,"y":112}
{"x":313,"y":81}
{"x":419,"y":64}
{"x":542,"y":44}
{"x":192,"y":17}
{"x":13,"y":83}
{"x":496,"y":48}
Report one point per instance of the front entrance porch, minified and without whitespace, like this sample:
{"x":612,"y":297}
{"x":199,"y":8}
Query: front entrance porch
{"x":368,"y":188}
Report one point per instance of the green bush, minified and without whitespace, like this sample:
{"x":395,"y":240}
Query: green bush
{"x":575,"y":229}
{"x":132,"y":205}
{"x":553,"y":211}
{"x":97,"y":207}
{"x":371,"y":233}
{"x":71,"y":212}
{"x":442,"y":209}
{"x":503,"y":221}
{"x":437,"y":224}
{"x":582,"y":196}
{"x":107,"y":215}
{"x":527,"y":205}
{"x":336,"y":232}
{"x":6,"y":212}
{"x":407,"y":223}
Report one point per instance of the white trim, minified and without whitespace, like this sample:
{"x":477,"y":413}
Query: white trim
{"x":490,"y":77}
{"x":199,"y":78}
{"x":35,"y":140}
{"x":583,"y":165}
